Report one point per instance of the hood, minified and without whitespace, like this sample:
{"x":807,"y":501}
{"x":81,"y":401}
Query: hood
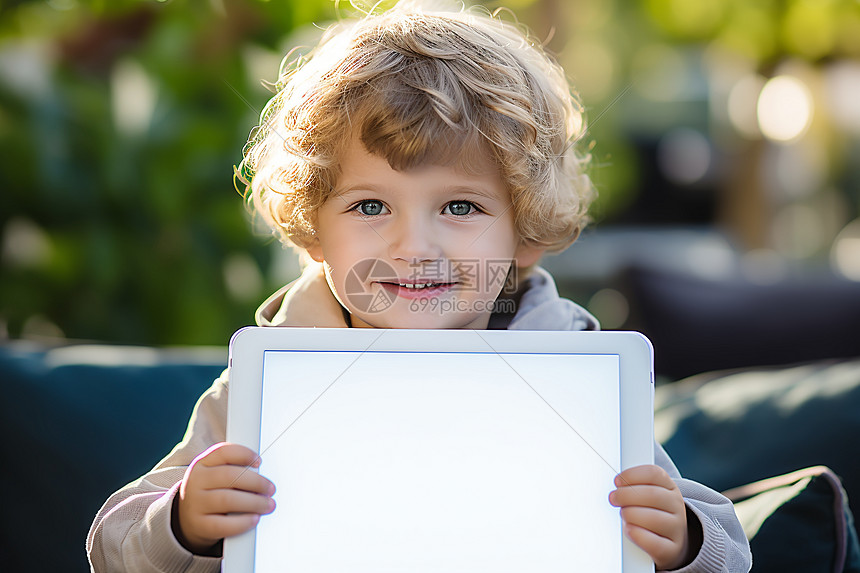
{"x":539,"y":308}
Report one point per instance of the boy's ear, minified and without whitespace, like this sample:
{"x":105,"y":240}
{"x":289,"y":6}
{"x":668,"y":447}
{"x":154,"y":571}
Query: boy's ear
{"x":526,"y":255}
{"x":315,"y":250}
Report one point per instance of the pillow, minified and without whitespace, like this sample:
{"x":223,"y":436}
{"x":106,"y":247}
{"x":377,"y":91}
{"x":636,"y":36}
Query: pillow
{"x":78,"y":423}
{"x":700,"y":325}
{"x":725,"y":429}
{"x":798,"y":522}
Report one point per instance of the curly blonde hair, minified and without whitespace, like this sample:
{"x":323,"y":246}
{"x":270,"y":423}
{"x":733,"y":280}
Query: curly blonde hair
{"x":417,"y":87}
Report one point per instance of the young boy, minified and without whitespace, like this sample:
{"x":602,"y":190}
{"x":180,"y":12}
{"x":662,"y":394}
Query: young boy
{"x":423,"y":161}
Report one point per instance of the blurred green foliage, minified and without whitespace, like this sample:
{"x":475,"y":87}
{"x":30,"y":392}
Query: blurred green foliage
{"x":118,"y":217}
{"x":764,"y":29}
{"x":120,"y":121}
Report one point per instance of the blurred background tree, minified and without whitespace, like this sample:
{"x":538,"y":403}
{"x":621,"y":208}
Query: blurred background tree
{"x":119,"y":126}
{"x":120,"y":123}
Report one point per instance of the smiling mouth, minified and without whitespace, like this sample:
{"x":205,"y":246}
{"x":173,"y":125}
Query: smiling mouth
{"x":418,"y":285}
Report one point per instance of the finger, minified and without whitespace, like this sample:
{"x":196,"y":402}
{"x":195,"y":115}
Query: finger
{"x":664,"y":552}
{"x":648,"y":496}
{"x":646,"y":474}
{"x":235,"y":477}
{"x":224,"y":501}
{"x":226,"y":453}
{"x":221,"y":526}
{"x":666,"y":525}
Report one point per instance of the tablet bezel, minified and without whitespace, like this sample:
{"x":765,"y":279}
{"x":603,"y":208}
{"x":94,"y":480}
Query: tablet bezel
{"x":636,"y":373}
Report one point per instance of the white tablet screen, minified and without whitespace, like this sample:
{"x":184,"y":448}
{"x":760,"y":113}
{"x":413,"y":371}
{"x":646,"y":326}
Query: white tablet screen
{"x":439,"y":462}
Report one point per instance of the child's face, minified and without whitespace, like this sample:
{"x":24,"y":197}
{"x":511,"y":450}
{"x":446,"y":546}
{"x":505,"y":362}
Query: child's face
{"x":431,"y":224}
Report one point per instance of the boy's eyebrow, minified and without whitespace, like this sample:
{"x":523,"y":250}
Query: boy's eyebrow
{"x":476,"y":190}
{"x":357,"y":187}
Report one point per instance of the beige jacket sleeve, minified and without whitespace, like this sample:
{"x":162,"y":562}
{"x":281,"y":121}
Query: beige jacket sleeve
{"x":132,"y":531}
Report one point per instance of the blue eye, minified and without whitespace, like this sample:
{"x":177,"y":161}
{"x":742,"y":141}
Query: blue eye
{"x":369,"y":207}
{"x":460,"y":207}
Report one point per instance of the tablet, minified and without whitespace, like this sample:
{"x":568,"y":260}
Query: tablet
{"x":431,"y":451}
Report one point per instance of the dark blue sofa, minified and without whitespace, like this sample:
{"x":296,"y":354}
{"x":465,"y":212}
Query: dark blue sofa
{"x":80,"y":421}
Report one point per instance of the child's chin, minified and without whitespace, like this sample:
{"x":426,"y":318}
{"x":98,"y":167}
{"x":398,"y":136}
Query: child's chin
{"x":419,"y":321}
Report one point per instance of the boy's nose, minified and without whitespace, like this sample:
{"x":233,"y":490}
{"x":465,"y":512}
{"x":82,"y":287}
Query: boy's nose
{"x":414,"y":240}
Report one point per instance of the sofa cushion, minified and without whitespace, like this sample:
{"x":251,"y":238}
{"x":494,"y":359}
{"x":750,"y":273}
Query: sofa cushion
{"x":798,"y":522}
{"x":78,"y":423}
{"x":701,"y":325}
{"x":730,"y":428}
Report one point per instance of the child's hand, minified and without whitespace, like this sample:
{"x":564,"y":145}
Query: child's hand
{"x":654,"y":513}
{"x":310,"y":302}
{"x":220,"y":497}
